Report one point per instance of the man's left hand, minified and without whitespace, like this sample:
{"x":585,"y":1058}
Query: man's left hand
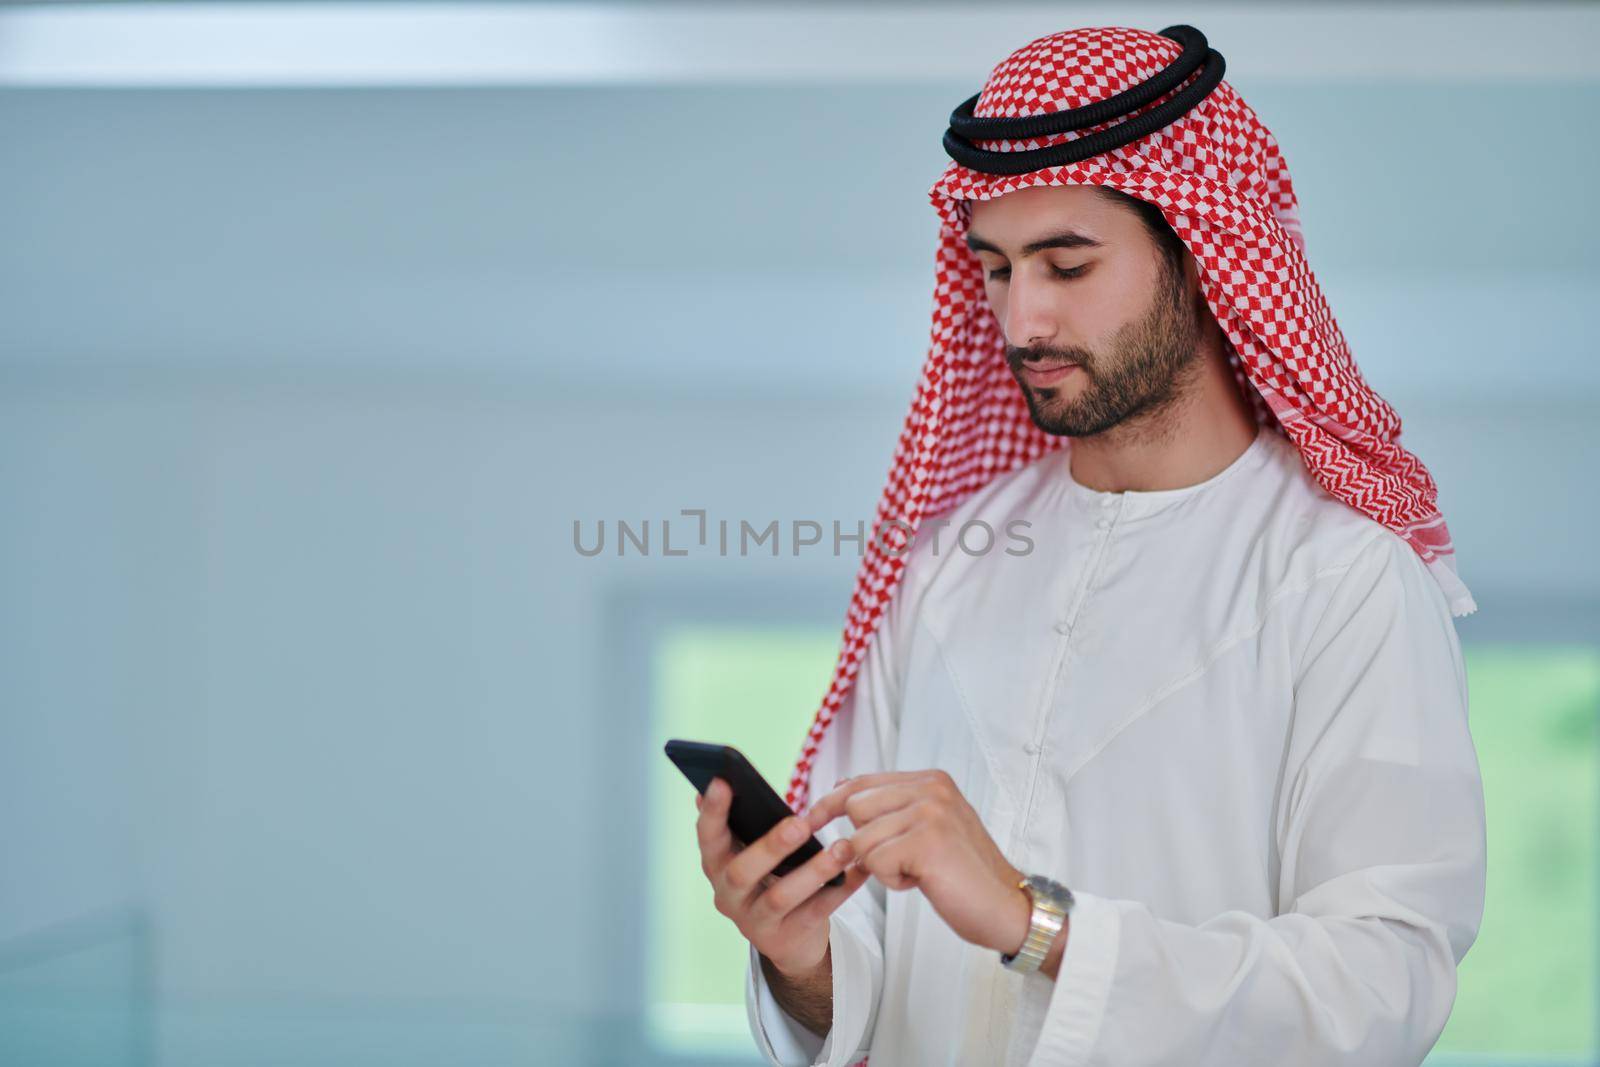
{"x":914,"y":830}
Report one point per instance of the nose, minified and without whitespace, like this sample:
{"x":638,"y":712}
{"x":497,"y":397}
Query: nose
{"x":1030,"y":319}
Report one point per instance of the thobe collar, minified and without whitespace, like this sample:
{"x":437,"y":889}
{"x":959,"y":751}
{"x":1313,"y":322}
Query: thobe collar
{"x":1135,"y":505}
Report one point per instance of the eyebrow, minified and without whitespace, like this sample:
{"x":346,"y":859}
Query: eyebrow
{"x":1064,"y":239}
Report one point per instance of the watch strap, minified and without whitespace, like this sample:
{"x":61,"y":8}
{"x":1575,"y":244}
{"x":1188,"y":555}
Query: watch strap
{"x":1052,"y":902}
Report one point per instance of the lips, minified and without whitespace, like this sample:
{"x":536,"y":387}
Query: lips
{"x":1041,"y":375}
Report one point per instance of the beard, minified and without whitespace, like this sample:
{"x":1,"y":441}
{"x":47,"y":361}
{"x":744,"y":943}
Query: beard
{"x":1143,"y":371}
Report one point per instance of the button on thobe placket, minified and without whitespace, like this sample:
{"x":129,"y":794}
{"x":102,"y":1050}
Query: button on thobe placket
{"x":1109,"y":508}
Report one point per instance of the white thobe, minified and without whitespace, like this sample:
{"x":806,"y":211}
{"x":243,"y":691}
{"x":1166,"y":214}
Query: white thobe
{"x":1232,"y":718}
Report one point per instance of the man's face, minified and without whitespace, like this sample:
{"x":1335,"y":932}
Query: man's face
{"x":1100,"y":294}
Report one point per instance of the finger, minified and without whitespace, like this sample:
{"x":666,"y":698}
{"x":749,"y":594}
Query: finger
{"x":863,"y":800}
{"x":742,"y":875}
{"x":876,"y":832}
{"x":848,"y":787}
{"x":869,"y":805}
{"x":892,"y":861}
{"x":711,"y":828}
{"x":831,"y":805}
{"x":827,"y":901}
{"x":797,"y":886}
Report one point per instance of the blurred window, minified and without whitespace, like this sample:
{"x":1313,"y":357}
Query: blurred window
{"x":756,"y":688}
{"x":1527,"y":987}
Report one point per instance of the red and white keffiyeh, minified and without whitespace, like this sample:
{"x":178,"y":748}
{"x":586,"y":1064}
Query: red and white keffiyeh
{"x":1221,"y":182}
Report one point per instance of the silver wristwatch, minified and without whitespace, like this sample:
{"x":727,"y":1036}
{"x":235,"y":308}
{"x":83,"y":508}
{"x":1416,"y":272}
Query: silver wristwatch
{"x":1051,"y":903}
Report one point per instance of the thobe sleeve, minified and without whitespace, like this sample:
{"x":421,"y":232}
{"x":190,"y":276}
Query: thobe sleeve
{"x":1382,"y":844}
{"x":860,"y":740}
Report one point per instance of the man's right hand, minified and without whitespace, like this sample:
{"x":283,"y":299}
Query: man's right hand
{"x":785,"y":917}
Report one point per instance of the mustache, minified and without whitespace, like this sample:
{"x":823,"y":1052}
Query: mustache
{"x":1045,"y":357}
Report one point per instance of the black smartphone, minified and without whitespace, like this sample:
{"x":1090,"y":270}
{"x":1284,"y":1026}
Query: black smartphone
{"x":756,"y":806}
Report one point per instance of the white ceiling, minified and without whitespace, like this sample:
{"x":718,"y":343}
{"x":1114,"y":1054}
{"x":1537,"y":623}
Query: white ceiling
{"x":443,"y":44}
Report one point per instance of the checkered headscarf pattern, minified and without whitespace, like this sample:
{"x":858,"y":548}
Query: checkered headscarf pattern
{"x":1218,"y":177}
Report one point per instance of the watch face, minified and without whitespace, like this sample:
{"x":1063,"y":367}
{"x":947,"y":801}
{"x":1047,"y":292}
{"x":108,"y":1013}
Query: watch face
{"x":1049,"y":889}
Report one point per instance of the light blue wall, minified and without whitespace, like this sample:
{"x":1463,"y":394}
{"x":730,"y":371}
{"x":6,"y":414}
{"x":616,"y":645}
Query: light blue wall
{"x":300,"y":393}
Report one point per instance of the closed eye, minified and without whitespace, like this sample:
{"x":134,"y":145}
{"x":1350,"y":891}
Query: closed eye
{"x":1002,"y":273}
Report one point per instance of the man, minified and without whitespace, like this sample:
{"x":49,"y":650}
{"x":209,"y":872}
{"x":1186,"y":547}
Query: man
{"x":1189,"y":781}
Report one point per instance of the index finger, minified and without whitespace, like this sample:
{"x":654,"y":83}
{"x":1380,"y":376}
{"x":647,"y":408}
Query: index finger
{"x":746,"y":870}
{"x":831,"y":806}
{"x":826,"y":900}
